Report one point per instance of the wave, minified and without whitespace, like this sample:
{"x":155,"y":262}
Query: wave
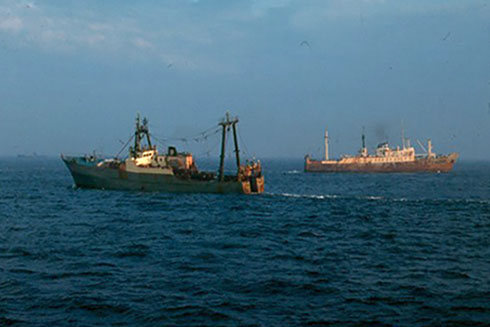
{"x":309,"y":196}
{"x":292,"y":172}
{"x":377,"y":198}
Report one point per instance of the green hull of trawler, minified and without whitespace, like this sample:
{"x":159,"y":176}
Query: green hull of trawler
{"x":87,"y":174}
{"x":147,"y":170}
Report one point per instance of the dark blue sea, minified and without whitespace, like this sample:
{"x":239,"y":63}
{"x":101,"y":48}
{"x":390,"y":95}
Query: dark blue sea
{"x":315,"y":250}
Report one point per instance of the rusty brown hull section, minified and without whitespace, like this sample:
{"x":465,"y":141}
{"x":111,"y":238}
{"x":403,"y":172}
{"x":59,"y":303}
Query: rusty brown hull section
{"x":435,"y":165}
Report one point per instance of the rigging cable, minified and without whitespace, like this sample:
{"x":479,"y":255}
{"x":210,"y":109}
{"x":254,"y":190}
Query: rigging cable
{"x":124,"y":147}
{"x":162,"y":143}
{"x":195,"y":137}
{"x":243,"y":143}
{"x":207,"y":151}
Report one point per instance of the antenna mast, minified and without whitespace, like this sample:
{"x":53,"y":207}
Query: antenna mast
{"x":326,"y":144}
{"x":403,"y":135}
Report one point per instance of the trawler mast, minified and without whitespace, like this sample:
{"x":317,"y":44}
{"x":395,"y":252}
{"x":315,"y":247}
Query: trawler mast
{"x":225,"y":124}
{"x":140,"y":133}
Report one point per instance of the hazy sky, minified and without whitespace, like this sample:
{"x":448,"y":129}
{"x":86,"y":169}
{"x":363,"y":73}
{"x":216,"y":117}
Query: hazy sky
{"x":73,"y":74}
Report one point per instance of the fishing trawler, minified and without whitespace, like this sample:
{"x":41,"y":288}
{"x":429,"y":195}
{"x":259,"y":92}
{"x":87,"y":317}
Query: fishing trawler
{"x":148,"y":170}
{"x":385,"y":160}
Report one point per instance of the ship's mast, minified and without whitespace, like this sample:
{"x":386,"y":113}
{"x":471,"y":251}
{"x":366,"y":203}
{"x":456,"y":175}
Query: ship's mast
{"x":140,"y":132}
{"x":430,"y":154}
{"x":403,"y":135}
{"x":226,"y":123}
{"x":326,"y":144}
{"x":237,"y":151}
{"x":144,"y":130}
{"x":137,"y":135}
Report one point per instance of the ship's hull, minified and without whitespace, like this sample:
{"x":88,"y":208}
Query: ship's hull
{"x":434,"y":165}
{"x":89,"y":175}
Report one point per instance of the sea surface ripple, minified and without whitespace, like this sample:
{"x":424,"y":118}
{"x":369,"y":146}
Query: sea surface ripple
{"x":315,"y":250}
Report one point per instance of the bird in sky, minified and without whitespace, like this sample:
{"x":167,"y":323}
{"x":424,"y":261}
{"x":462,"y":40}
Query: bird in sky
{"x":305,"y":43}
{"x":446,"y":36}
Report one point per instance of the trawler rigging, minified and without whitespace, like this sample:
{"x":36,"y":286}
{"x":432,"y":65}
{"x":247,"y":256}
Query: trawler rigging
{"x":146,"y":169}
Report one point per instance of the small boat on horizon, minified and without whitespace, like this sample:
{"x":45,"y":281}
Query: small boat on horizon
{"x":147,"y":170}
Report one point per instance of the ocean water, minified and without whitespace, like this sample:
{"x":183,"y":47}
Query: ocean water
{"x":315,"y":250}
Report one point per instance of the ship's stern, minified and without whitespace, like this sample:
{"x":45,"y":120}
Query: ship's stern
{"x":253,"y":185}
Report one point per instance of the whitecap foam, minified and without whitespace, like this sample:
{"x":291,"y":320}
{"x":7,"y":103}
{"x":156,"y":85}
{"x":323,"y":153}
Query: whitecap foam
{"x":373,"y":197}
{"x":307,"y":196}
{"x":292,"y":172}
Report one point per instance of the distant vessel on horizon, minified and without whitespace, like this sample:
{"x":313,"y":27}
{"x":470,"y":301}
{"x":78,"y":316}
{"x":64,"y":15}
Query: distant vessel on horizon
{"x":146,"y":169}
{"x":33,"y":155}
{"x":385,"y":160}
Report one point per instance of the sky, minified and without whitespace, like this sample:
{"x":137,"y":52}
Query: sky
{"x":74,"y":74}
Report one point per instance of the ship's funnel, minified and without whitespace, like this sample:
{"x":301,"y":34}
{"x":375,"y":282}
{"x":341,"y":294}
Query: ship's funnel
{"x":363,"y":150}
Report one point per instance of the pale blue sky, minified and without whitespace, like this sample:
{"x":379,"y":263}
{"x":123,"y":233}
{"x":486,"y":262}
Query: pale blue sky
{"x":73,"y":74}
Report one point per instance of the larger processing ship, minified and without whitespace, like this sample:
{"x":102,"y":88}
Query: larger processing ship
{"x":385,"y":159}
{"x":146,"y":169}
